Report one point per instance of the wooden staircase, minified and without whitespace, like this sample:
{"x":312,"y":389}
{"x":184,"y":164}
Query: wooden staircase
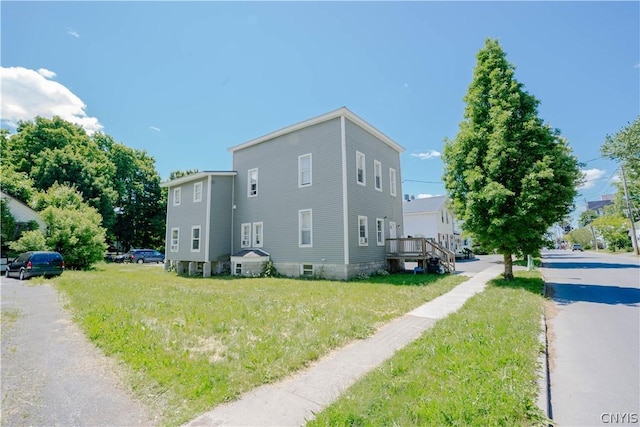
{"x":421,"y":250}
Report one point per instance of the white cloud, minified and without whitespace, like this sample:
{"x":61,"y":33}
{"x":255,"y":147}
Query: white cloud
{"x":154,"y":128}
{"x":426,"y":155}
{"x":28,"y":93}
{"x":73,"y":33}
{"x":423,"y":196}
{"x":590,"y":177}
{"x":46,"y":73}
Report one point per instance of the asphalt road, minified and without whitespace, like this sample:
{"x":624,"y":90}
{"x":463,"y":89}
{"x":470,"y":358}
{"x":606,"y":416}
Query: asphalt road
{"x":51,"y":374}
{"x":594,"y":336}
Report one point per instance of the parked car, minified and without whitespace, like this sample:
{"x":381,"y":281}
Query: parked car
{"x":577,"y":247}
{"x":39,"y":263}
{"x":141,"y":256}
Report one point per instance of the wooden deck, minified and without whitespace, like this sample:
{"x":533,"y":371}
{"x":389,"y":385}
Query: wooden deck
{"x":421,"y":250}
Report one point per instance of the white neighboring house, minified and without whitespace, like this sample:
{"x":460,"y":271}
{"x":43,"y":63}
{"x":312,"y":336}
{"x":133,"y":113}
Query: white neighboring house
{"x":431,"y":218}
{"x":23,"y":214}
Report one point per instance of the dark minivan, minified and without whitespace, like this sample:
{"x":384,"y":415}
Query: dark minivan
{"x":31,"y":264}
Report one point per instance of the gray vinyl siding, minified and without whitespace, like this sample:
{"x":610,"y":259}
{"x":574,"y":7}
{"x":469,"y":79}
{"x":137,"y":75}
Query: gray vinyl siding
{"x":190,"y":213}
{"x":366,"y":200}
{"x":280,"y":199}
{"x":221,"y":218}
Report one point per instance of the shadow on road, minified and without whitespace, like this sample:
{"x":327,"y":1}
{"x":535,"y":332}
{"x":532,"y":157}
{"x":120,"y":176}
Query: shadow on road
{"x":565,"y":294}
{"x":579,"y":264}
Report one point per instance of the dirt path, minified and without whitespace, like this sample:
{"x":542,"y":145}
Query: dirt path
{"x":51,"y":374}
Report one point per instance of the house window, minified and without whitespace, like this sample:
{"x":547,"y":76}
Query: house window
{"x":238,"y":269}
{"x":257,"y":234}
{"x":175,"y":239}
{"x":307,"y":269}
{"x":363,"y":232}
{"x":360,"y":169}
{"x":195,"y":238}
{"x":197,"y":192}
{"x":304,"y":170}
{"x":252,"y":183}
{"x":377,"y":174}
{"x":305,"y":227}
{"x":177,"y":195}
{"x":442,"y":216}
{"x":245,"y":233}
{"x":380,"y":231}
{"x":392,"y":181}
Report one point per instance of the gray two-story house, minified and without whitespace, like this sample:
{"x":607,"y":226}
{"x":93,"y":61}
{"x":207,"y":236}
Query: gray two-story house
{"x":317,"y":198}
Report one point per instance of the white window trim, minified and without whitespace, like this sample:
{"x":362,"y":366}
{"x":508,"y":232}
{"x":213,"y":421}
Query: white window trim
{"x":300,"y":159}
{"x":392,"y":181}
{"x":377,"y":175}
{"x":363,"y":241}
{"x":199,"y":239}
{"x":300,"y":229}
{"x":177,"y":196}
{"x":257,"y":244}
{"x":310,"y":272}
{"x":249,"y":182}
{"x":197,"y":195}
{"x":245,"y":243}
{"x":359,"y":156}
{"x":380,"y":235}
{"x":174,"y":247}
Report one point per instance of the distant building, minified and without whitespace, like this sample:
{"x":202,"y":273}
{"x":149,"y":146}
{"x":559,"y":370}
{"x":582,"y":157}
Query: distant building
{"x":599,"y":205}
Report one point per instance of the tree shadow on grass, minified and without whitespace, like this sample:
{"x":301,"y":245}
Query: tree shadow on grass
{"x":522,"y":281}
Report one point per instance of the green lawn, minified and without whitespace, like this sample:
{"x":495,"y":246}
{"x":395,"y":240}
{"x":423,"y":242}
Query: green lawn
{"x":477,"y":367}
{"x":192,"y":343}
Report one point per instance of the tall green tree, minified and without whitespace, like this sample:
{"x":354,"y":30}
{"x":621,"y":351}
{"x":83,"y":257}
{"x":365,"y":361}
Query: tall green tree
{"x":509,"y":175}
{"x":54,"y":150}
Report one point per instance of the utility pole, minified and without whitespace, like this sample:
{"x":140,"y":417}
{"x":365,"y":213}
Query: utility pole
{"x":634,"y":236}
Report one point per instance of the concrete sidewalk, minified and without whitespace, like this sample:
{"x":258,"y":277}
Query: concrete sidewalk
{"x":294,"y":400}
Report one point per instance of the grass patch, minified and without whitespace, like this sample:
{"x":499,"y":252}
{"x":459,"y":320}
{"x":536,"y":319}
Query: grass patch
{"x":477,"y":367}
{"x":194,"y":342}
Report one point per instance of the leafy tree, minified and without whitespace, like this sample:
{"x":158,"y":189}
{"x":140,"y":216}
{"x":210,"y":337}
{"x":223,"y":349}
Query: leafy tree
{"x":73,"y":227}
{"x":54,"y":150}
{"x":141,"y":203}
{"x":8,"y":223}
{"x":179,"y":174}
{"x":32,"y":240}
{"x":615,"y":230}
{"x":586,"y":217}
{"x":581,"y":235}
{"x":509,"y":176}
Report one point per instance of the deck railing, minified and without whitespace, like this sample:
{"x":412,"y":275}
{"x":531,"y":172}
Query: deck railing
{"x":420,"y":249}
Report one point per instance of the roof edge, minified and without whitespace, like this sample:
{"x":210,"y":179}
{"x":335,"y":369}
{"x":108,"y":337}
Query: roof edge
{"x":340,"y":112}
{"x":196,"y":176}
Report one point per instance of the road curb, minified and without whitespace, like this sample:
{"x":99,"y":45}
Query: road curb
{"x":544,"y":378}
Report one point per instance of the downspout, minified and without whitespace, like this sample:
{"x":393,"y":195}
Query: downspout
{"x":345,"y":198}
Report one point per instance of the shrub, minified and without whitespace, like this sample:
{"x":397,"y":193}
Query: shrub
{"x":32,"y":240}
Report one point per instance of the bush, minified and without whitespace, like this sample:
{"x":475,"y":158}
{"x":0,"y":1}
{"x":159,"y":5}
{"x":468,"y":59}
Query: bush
{"x":32,"y":240}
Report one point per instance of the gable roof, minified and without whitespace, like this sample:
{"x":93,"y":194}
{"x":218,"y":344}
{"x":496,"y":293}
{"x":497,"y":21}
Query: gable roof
{"x":195,"y":177}
{"x":22,"y":212}
{"x":340,"y":112}
{"x":251,"y":253}
{"x":428,"y":204}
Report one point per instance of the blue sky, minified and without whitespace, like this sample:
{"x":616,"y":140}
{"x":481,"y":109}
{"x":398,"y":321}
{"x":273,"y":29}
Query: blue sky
{"x":185,"y":81}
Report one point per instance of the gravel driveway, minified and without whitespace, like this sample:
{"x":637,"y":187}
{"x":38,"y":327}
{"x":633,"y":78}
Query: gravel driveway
{"x":51,"y":374}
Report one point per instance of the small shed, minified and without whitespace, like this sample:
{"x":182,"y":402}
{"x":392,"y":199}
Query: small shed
{"x":248,"y":262}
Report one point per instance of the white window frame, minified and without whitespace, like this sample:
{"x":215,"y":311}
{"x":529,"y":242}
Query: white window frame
{"x":177,"y":196}
{"x":245,"y":235}
{"x":361,"y":164}
{"x":392,"y":181}
{"x":258,"y":234}
{"x":380,"y":231}
{"x":363,"y":231}
{"x":301,"y":230}
{"x":301,"y":171}
{"x":250,"y":191}
{"x":377,"y":175}
{"x":175,"y":239}
{"x":197,"y":192}
{"x":195,"y":239}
